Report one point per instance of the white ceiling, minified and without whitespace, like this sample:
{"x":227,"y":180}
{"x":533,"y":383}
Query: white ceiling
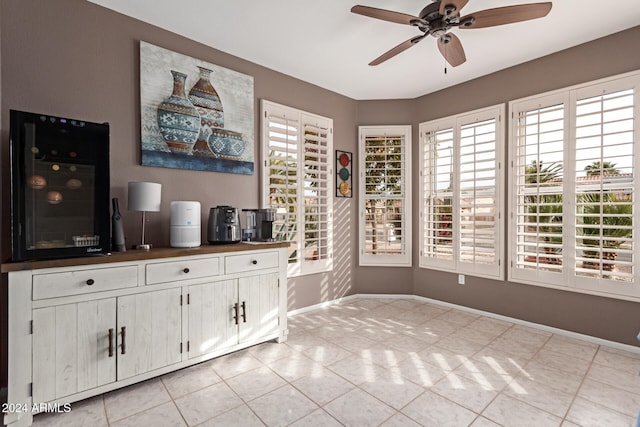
{"x":323,"y":43}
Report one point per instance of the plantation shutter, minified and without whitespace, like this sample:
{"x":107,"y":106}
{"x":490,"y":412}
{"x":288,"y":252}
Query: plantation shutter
{"x":317,"y":192}
{"x":539,"y":164}
{"x":478,"y":172}
{"x":461,"y":190}
{"x":604,"y":196}
{"x":297,"y":178}
{"x":385,"y":191}
{"x":437,"y":179}
{"x":283,"y":177}
{"x":574,"y":174}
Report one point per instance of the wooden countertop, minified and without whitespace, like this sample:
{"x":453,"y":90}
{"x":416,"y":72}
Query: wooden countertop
{"x":138,"y":255}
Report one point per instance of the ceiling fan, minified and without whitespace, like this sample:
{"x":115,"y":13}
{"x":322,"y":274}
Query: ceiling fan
{"x":437,"y":18}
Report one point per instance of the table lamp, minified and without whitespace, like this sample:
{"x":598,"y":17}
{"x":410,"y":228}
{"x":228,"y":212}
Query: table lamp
{"x":144,"y":197}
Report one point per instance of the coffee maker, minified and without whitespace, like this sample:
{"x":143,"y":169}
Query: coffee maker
{"x":264,"y":224}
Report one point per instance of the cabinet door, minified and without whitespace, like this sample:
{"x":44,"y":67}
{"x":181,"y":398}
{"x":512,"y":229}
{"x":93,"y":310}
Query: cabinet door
{"x":258,"y":296}
{"x":211,"y":317}
{"x":71,"y":348}
{"x":149,"y":331}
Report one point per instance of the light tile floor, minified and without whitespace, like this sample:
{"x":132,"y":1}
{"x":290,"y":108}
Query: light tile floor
{"x":387,"y":362}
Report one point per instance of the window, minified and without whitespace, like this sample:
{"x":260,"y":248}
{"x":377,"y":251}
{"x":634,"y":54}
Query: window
{"x":537,"y":211}
{"x":297,"y":181}
{"x":574,"y":180}
{"x":385,"y":195}
{"x":461,"y":193}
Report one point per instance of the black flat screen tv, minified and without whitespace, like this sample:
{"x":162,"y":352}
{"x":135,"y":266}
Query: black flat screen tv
{"x":59,"y":187}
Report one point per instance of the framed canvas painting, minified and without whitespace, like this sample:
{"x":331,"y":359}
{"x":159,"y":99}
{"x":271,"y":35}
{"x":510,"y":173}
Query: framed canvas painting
{"x":194,"y":115}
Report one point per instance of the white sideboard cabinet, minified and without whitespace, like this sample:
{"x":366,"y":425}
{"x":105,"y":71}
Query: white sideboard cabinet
{"x":81,"y":327}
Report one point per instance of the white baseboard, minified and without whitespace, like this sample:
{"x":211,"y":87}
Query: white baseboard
{"x":321,"y":305}
{"x":570,"y":334}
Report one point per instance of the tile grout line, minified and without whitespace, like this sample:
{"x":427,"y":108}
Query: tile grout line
{"x":174,"y":402}
{"x":575,"y":395}
{"x":341,"y":319}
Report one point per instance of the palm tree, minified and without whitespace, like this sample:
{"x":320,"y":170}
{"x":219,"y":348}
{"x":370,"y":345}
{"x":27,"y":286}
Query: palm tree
{"x":601,"y":168}
{"x":537,"y":172}
{"x":606,"y":224}
{"x":606,"y":219}
{"x":545,"y":207}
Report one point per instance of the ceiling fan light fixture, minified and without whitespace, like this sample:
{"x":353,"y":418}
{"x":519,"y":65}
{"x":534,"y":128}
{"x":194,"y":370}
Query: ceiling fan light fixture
{"x":439,"y":27}
{"x":438,"y":32}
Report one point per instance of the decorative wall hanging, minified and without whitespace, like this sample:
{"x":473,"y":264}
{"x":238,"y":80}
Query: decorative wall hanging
{"x":195,"y":115}
{"x":343,"y":173}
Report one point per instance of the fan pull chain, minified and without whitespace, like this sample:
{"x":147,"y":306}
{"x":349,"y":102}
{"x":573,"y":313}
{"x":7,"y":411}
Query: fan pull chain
{"x":445,"y":57}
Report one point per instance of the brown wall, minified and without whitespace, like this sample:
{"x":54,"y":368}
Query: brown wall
{"x":76,"y":59}
{"x":385,"y":280}
{"x":72,"y":58}
{"x":607,"y":318}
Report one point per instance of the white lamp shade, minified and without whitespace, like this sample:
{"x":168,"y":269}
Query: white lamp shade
{"x":145,"y":196}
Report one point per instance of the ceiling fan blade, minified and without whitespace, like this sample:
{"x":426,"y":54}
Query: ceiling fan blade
{"x":452,"y":7}
{"x":505,"y":15}
{"x":396,"y":50}
{"x":387,"y":15}
{"x":451,"y":48}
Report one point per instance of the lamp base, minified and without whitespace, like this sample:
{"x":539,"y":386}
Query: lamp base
{"x":144,"y":247}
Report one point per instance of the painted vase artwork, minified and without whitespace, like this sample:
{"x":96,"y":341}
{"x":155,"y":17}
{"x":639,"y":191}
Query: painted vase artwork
{"x":214,"y":140}
{"x":207,"y":101}
{"x":209,"y":128}
{"x":178,"y":119}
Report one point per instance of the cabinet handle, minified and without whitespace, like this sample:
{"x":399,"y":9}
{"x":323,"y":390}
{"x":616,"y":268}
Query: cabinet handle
{"x":185,"y":270}
{"x":254,"y":261}
{"x":90,"y":282}
{"x":123,"y":332}
{"x":110,"y":342}
{"x":244,"y":312}
{"x":235,"y":312}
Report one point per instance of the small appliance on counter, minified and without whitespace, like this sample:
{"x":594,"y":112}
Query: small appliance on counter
{"x":264,"y":224}
{"x":185,"y":224}
{"x":60,"y":187}
{"x":249,"y":224}
{"x":257,"y":225}
{"x":224,"y":225}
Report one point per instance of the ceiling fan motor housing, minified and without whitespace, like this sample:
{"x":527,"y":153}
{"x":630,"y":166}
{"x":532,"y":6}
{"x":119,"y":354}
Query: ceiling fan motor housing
{"x":437,"y":24}
{"x":430,"y":12}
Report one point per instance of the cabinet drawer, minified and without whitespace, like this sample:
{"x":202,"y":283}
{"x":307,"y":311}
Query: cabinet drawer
{"x":52,"y":285}
{"x":250,"y":262}
{"x":171,"y":271}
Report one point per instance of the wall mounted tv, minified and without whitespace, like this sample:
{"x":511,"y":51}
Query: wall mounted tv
{"x":59,"y":187}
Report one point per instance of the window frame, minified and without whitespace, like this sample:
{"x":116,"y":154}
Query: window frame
{"x":455,"y":124}
{"x":567,"y":279}
{"x":403,"y":259}
{"x":304,"y":120}
{"x":539,"y":102}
